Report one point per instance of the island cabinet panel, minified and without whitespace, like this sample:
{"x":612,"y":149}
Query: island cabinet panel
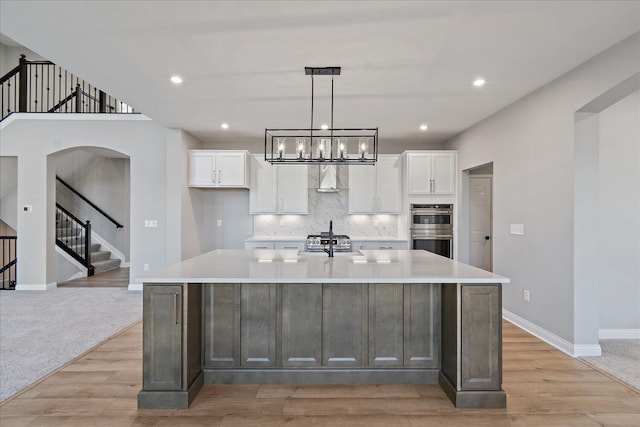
{"x":222,"y":326}
{"x":344,"y":325}
{"x":481,"y":336}
{"x":422,"y":325}
{"x":385,"y":325}
{"x":162,"y":342}
{"x":258,"y":325}
{"x":301,"y":325}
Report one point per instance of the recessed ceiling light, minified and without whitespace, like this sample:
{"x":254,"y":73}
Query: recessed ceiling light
{"x":424,"y":127}
{"x":224,"y":125}
{"x":479,"y":82}
{"x":176,"y":79}
{"x":324,"y":126}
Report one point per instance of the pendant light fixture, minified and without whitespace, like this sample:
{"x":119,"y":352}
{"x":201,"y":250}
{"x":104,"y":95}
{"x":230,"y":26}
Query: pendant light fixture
{"x":341,"y":146}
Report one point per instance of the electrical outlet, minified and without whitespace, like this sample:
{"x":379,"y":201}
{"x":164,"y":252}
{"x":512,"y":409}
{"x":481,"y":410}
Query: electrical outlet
{"x":527,"y":295}
{"x":219,"y":223}
{"x":281,"y":222}
{"x":146,"y":267}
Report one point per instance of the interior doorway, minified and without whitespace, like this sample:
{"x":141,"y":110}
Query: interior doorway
{"x":480,"y":217}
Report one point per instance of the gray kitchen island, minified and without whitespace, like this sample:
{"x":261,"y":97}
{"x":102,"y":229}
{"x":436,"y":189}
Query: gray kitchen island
{"x":280,"y":316}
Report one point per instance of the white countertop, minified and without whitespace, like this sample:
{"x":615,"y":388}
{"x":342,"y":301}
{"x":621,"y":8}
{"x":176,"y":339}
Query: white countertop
{"x":291,"y":266}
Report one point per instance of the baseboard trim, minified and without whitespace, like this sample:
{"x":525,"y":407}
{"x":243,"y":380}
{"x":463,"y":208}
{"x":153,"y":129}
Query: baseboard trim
{"x":135,"y":286}
{"x":573,"y":350}
{"x":37,"y":287}
{"x":619,"y":334}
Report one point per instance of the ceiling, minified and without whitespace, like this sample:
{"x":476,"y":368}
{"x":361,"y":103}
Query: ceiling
{"x":403,"y":63}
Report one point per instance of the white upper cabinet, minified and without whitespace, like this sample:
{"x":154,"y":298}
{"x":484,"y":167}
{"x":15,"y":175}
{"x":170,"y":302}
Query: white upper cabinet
{"x":218,"y":169}
{"x":278,"y":189}
{"x":376,"y":189}
{"x":431,"y":172}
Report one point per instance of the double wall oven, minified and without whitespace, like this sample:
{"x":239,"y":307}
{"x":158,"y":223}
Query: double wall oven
{"x":432,"y":228}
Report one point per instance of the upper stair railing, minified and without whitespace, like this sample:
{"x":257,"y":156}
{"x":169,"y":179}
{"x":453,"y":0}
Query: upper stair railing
{"x":44,"y":87}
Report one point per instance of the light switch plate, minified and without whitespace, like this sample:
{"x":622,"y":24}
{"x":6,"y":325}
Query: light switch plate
{"x":151,"y":223}
{"x":219,"y":223}
{"x":517,"y":229}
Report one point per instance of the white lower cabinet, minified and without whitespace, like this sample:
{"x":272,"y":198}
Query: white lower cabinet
{"x":376,"y":189}
{"x":380,"y":244}
{"x":278,"y":189}
{"x":275,"y":244}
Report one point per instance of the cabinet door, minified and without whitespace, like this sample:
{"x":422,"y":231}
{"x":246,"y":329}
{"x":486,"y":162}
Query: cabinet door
{"x":263,"y":194}
{"x":162,"y":342}
{"x":443,"y":173}
{"x":293,"y":189}
{"x":388,"y":185}
{"x":386,"y":325}
{"x":258,"y":325}
{"x":231,"y":169}
{"x":344,"y":325}
{"x":362,"y":183}
{"x":419,"y":173}
{"x":202,"y":169}
{"x":222,"y":325}
{"x":301,"y":325}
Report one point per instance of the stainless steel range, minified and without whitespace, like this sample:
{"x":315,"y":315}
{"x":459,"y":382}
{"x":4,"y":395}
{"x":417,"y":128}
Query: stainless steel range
{"x":320,"y":242}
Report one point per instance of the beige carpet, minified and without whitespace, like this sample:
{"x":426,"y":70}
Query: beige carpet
{"x":621,"y":359}
{"x":42,"y":330}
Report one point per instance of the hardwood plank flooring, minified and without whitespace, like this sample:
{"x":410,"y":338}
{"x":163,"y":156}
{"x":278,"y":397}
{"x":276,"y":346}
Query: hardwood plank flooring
{"x":544,"y":386}
{"x":118,"y":278}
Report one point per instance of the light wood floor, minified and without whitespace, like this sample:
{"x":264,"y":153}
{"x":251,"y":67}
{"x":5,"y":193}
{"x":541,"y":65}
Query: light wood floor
{"x":118,"y":278}
{"x":544,"y":387}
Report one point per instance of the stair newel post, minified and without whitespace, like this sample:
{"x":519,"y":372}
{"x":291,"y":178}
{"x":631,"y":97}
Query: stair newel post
{"x":78,"y":95}
{"x":102,"y":102}
{"x":22,"y":88}
{"x":87,"y":248}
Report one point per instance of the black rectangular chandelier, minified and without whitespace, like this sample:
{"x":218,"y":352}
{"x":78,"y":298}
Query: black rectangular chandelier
{"x":323,"y":146}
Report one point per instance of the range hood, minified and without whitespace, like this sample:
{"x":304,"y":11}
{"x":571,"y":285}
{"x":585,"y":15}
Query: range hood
{"x":328,"y":181}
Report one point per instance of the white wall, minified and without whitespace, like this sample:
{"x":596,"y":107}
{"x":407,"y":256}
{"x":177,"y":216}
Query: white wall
{"x":531,"y":145}
{"x":619,"y":223}
{"x":34,"y":137}
{"x":10,"y":57}
{"x":9,"y":190}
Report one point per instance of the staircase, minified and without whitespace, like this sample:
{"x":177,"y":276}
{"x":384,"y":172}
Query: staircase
{"x":72,"y":237}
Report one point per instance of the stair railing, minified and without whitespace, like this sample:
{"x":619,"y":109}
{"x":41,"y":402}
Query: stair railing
{"x":74,"y":237}
{"x":44,"y":87}
{"x":89,"y":202}
{"x":9,"y":261}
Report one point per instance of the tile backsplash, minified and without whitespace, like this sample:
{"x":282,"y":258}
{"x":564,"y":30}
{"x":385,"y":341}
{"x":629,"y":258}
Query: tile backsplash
{"x":324,"y":207}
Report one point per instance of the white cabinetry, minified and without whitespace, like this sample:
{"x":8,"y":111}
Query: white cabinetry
{"x":376,"y":189}
{"x":431,"y":172}
{"x":379,"y":244}
{"x":218,"y":169}
{"x":278,"y":189}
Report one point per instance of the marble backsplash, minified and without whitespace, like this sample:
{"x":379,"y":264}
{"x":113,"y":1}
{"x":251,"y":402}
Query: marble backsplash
{"x":324,"y":207}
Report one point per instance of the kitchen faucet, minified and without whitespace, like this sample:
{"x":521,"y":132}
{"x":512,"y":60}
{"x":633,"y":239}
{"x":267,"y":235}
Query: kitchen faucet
{"x":330,"y":250}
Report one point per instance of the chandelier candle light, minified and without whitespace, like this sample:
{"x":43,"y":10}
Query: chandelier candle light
{"x":354,"y":146}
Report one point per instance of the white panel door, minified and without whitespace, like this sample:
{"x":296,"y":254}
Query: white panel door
{"x":419,"y":173}
{"x":231,"y":169}
{"x":362,"y":192}
{"x":202,"y":169}
{"x":263,"y":194}
{"x":443,"y":173}
{"x":293,"y":189}
{"x":389,"y":185}
{"x":480,"y":222}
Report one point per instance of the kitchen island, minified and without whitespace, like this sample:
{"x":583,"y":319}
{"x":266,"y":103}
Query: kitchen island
{"x":281,"y":316}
